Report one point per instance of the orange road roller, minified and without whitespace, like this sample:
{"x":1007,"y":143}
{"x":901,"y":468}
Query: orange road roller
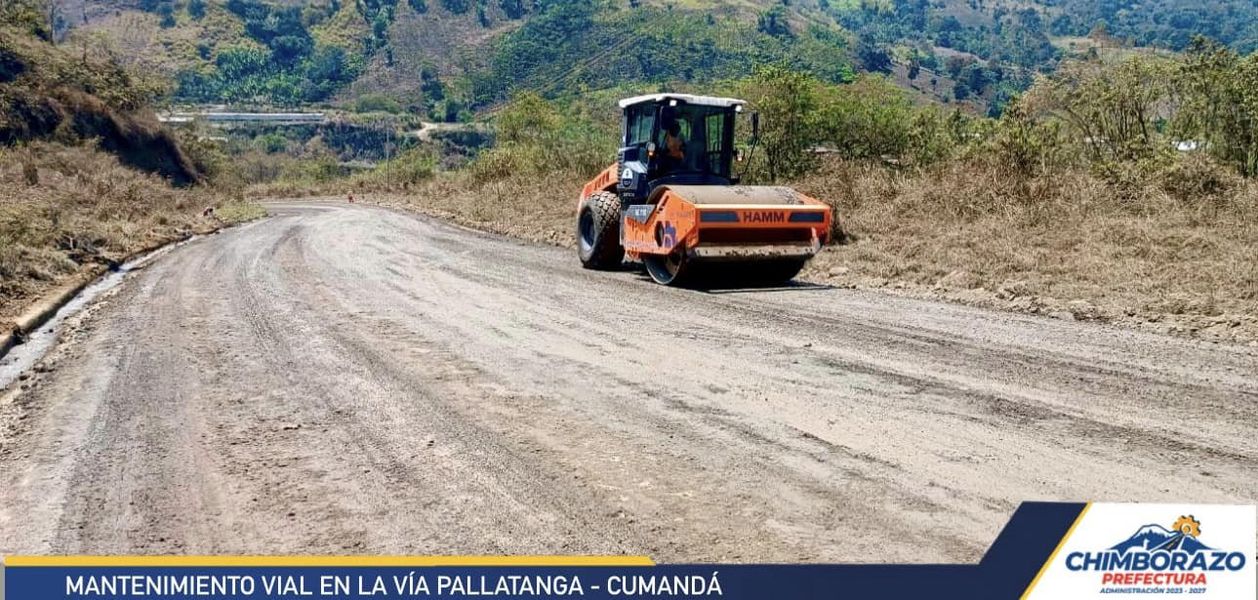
{"x":673,"y":203}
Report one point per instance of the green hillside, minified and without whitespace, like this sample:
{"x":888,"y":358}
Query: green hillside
{"x":444,"y":58}
{"x":606,"y":47}
{"x":438,"y":56}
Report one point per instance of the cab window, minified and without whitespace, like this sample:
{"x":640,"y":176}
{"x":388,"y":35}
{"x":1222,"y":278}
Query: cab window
{"x":715,"y":125}
{"x":641,"y":123}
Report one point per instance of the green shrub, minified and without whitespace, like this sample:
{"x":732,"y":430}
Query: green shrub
{"x":1113,"y":110}
{"x":786,"y":101}
{"x":377,"y":103}
{"x":936,"y":135}
{"x":1219,"y":104}
{"x":413,"y":166}
{"x":1195,"y":176}
{"x":870,"y":118}
{"x":536,"y":136}
{"x":1026,"y":145}
{"x":272,"y":142}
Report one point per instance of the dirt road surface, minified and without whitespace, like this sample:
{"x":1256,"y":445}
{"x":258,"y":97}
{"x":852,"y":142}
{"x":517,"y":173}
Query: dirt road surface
{"x":347,"y":379}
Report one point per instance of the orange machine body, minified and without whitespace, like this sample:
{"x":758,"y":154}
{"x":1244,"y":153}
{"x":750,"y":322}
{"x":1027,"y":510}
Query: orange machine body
{"x":720,"y":222}
{"x":605,"y":181}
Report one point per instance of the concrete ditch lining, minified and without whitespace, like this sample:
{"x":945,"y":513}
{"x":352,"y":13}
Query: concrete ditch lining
{"x":43,"y":310}
{"x":17,"y":331}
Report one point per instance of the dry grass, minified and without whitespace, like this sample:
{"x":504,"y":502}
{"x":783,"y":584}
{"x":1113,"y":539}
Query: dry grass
{"x":47,"y":93}
{"x":137,"y":38}
{"x":64,"y":208}
{"x":1061,"y":242}
{"x":67,"y":202}
{"x":538,"y":208}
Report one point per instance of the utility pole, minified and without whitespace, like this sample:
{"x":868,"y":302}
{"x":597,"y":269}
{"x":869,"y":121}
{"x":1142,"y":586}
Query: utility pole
{"x":52,"y":22}
{"x":388,"y":157}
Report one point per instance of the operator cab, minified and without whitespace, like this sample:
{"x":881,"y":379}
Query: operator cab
{"x":676,"y":139}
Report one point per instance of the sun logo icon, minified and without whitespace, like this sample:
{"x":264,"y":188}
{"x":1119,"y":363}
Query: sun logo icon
{"x":1188,"y":526}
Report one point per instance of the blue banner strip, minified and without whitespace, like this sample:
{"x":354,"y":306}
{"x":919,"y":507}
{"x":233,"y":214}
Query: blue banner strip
{"x":1005,"y":572}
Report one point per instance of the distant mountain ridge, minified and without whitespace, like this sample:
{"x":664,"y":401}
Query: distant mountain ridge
{"x":442,"y":56}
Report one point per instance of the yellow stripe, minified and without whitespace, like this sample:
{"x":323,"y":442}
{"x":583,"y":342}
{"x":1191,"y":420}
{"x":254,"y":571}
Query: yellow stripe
{"x":328,"y":561}
{"x":1053,"y":556}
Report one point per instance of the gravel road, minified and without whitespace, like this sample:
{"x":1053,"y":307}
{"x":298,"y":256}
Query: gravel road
{"x":347,"y":379}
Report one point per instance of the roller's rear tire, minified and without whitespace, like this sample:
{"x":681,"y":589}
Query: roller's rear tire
{"x":673,"y":269}
{"x":598,"y":232}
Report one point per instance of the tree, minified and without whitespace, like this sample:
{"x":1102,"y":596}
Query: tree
{"x":785,"y":100}
{"x":955,"y":64}
{"x":326,"y":70}
{"x":380,"y":28}
{"x":288,"y":50}
{"x":1219,"y":103}
{"x":457,"y":7}
{"x":975,"y":77}
{"x":1099,"y":33}
{"x":1113,"y":109}
{"x":961,"y":91}
{"x":774,"y":22}
{"x":167,"y":12}
{"x":430,"y":84}
{"x":867,"y":119}
{"x":239,"y":62}
{"x":514,"y":9}
{"x":873,"y":58}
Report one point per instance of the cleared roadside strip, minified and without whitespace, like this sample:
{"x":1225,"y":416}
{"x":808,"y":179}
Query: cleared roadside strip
{"x":61,"y":302}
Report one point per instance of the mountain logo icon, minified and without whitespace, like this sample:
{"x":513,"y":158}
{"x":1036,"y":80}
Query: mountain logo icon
{"x":1181,"y":536}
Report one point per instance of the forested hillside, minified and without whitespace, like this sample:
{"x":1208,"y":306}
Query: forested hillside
{"x":601,"y":47}
{"x":1162,"y":23}
{"x":415,"y":51}
{"x":447,"y":58}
